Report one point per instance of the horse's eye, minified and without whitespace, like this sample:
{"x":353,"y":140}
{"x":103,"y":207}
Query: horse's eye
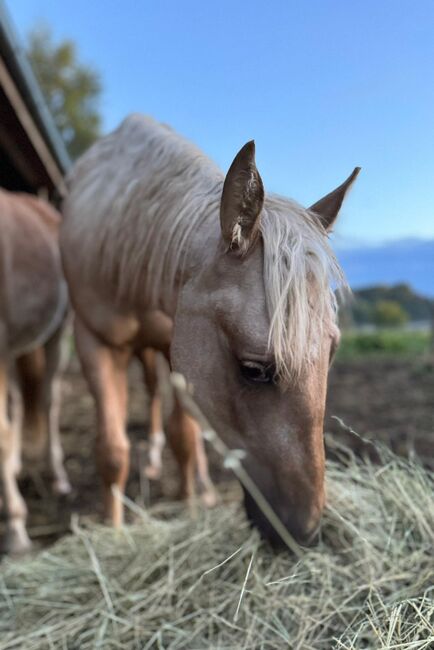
{"x":258,"y":373}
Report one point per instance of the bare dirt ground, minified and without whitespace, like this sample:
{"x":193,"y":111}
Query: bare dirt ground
{"x":388,"y":400}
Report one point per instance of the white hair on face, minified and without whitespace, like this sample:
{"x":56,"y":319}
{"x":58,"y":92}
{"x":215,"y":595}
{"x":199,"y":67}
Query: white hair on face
{"x":300,"y":270}
{"x":141,"y":196}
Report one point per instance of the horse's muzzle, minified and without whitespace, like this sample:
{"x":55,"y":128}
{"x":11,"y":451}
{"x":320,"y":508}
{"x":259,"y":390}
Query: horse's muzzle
{"x":303,"y":528}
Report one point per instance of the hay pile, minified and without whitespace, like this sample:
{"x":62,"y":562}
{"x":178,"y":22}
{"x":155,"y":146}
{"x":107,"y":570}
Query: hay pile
{"x":210,"y":583}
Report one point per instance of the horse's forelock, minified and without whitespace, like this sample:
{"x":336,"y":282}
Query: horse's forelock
{"x":300,"y":270}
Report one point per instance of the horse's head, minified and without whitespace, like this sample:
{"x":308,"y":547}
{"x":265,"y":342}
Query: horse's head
{"x":255,"y":331}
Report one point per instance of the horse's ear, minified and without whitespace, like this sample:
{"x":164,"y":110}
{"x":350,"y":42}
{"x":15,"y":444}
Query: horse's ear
{"x":242,"y":201}
{"x":328,"y":207}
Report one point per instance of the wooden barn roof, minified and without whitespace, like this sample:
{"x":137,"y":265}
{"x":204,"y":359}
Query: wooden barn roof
{"x":33,"y":156}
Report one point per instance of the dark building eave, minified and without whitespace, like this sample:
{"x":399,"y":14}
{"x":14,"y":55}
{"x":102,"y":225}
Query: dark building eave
{"x":29,"y":139}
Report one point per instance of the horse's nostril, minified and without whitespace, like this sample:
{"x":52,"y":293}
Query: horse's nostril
{"x":303,"y":538}
{"x":303,"y":533}
{"x":310,"y":538}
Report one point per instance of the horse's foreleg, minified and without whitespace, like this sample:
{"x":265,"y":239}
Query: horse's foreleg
{"x":105,"y":369}
{"x":156,"y":434}
{"x":181,"y":436}
{"x":186,"y":442}
{"x":15,"y":539}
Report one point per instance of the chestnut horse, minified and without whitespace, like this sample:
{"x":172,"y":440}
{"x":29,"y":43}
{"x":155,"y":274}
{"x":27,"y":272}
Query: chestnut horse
{"x":33,"y":305}
{"x":235,"y":286}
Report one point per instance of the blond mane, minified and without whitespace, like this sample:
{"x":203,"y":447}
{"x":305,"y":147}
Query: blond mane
{"x":162,"y":193}
{"x":300,"y":273}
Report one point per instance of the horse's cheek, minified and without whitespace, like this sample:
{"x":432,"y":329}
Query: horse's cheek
{"x":183,"y":349}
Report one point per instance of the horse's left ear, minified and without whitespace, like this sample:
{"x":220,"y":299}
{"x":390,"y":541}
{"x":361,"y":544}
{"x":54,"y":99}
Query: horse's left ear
{"x":328,"y":207}
{"x":242,"y":201}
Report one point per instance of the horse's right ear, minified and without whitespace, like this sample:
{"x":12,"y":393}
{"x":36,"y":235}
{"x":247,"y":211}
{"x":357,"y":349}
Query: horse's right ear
{"x":242,"y":201}
{"x":327,"y":208}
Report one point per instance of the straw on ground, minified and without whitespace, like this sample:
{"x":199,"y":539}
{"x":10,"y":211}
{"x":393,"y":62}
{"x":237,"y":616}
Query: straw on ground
{"x":209,"y":582}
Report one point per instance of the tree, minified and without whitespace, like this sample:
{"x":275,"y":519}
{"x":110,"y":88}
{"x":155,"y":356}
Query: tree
{"x":417,"y":307}
{"x":389,"y":313}
{"x":72,"y":90}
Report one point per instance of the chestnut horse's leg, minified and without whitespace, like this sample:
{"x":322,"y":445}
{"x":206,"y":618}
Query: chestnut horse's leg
{"x":38,"y":375}
{"x":30,"y":373}
{"x":105,"y":369}
{"x":156,"y":433}
{"x":15,"y":539}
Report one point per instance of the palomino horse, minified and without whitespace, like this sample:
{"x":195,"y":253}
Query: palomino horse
{"x":161,"y":250}
{"x":33,"y":305}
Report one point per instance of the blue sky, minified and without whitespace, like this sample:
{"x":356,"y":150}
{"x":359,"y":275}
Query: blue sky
{"x":322,"y":86}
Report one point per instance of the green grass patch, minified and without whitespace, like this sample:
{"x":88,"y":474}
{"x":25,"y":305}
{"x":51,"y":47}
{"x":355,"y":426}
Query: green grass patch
{"x":384,"y":342}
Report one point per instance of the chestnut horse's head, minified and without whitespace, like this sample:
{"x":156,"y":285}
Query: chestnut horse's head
{"x":255,"y":331}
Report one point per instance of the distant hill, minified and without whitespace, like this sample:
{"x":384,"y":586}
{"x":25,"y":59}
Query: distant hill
{"x":382,"y":305}
{"x":406,"y":261}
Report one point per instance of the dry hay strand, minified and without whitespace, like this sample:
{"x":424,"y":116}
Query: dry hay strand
{"x":209,"y":582}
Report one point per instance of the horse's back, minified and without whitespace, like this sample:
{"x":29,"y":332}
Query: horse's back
{"x":32,"y":292}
